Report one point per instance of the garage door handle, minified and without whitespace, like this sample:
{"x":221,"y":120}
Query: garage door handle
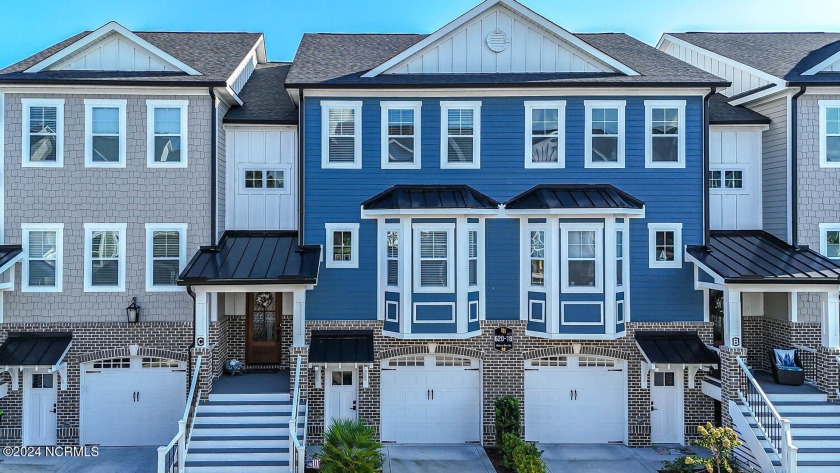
{"x":428,"y":394}
{"x":433,"y":394}
{"x":134,"y":396}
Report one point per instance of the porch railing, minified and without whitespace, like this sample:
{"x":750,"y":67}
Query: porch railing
{"x":172,"y":457}
{"x":808,"y":356}
{"x":297,"y":440}
{"x":775,"y":428}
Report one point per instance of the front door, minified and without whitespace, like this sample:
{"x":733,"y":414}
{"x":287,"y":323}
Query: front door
{"x":665,"y":414}
{"x":40,"y":406}
{"x":263,"y":342}
{"x":341,"y":396}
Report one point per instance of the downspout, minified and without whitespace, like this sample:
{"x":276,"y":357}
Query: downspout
{"x":213,"y":183}
{"x":706,"y":121}
{"x":192,"y":345}
{"x":794,"y":151}
{"x":301,"y":164}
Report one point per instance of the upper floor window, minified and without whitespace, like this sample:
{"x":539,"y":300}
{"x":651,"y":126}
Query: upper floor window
{"x":472,"y":257}
{"x":581,"y":260}
{"x":392,"y":257}
{"x":830,"y":133}
{"x":342,"y":245}
{"x":105,"y":257}
{"x":341,"y":136}
{"x":401,"y":135}
{"x":830,"y":240}
{"x":433,"y":263}
{"x":665,"y":245}
{"x":165,"y":255}
{"x":727,"y":179}
{"x":43,"y":132}
{"x":619,"y":258}
{"x":460,"y":135}
{"x":536,"y":249}
{"x":545,"y":134}
{"x":264,"y":179}
{"x":43,"y":257}
{"x":665,"y":133}
{"x":167,"y":133}
{"x":604,"y":141}
{"x":105,"y":133}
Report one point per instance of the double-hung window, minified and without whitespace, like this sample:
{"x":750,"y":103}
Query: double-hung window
{"x":536,"y":252}
{"x":166,"y":255}
{"x":545,"y":134}
{"x":342,"y":245}
{"x":582,"y":258}
{"x":43,"y":257}
{"x":105,"y":257}
{"x":460,"y":135}
{"x":400,"y":135}
{"x":830,"y":240}
{"x":665,"y":133}
{"x":472,"y":257}
{"x":829,"y":133}
{"x":167,"y":133}
{"x":619,"y":258}
{"x":341,"y":134}
{"x":105,"y":133}
{"x":43,"y":133}
{"x":433,"y":258}
{"x":392,"y":257}
{"x":665,"y":245}
{"x":604,"y":137}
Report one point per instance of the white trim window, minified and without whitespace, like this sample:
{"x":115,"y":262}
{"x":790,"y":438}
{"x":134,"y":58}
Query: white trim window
{"x":830,"y":240}
{"x":43,"y":133}
{"x":105,"y":136}
{"x":604,"y":141}
{"x":166,"y":141}
{"x":460,"y":132}
{"x":43,"y":260}
{"x":105,"y":257}
{"x":264,"y":180}
{"x":582,"y":258}
{"x":433,"y":258}
{"x":342,"y":245}
{"x":665,"y":245}
{"x":401,"y":135}
{"x":665,"y":133}
{"x":728,"y":180}
{"x":619,"y":258}
{"x":536,"y":256}
{"x":341,"y":134}
{"x":545,"y":134}
{"x":472,"y":257}
{"x":166,"y":255}
{"x":392,"y":256}
{"x":829,"y":133}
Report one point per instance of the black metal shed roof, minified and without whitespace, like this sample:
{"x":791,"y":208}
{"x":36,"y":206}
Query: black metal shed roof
{"x":721,"y":112}
{"x":254,"y":257}
{"x":754,"y":256}
{"x":676,"y":348}
{"x":430,"y":197}
{"x":342,"y":346}
{"x":8,"y":253}
{"x":34,"y":348}
{"x":574,"y":196}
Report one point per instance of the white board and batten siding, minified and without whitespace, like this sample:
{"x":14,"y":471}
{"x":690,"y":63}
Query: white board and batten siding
{"x":115,"y":53}
{"x":525,"y":47}
{"x":736,"y":148}
{"x":261,"y":148}
{"x":741,"y":79}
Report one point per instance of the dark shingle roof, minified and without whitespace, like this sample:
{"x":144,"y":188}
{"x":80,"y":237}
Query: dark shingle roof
{"x":574,"y":196}
{"x":341,"y":346}
{"x":342,"y":59}
{"x":266,"y":100}
{"x":722,"y":113}
{"x":675,"y":348}
{"x":254,"y":257}
{"x":754,"y":256}
{"x":784,"y":55}
{"x":214,"y":55}
{"x":8,"y":253}
{"x":34,"y":348}
{"x":430,"y":197}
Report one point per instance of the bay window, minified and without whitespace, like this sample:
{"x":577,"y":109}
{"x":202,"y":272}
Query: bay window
{"x":392,"y":256}
{"x":537,"y":257}
{"x":581,"y":270}
{"x":433,"y":258}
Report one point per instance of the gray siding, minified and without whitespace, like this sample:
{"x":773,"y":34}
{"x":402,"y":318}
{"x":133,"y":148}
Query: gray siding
{"x":221,"y":168}
{"x":775,"y":167}
{"x":74,"y":195}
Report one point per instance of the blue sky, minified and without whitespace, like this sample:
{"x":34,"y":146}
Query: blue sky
{"x":25,"y":32}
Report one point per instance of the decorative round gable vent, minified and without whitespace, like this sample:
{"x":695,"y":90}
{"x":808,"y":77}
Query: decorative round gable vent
{"x":497,"y":41}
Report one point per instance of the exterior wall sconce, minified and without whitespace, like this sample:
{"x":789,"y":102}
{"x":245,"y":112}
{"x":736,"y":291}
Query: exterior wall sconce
{"x":132,"y":312}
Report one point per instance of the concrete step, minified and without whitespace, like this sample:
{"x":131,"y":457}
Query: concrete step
{"x":818,"y":454}
{"x":793,"y":408}
{"x":819,"y":430}
{"x":235,"y":466}
{"x":252,"y":418}
{"x":239,"y":430}
{"x":247,"y":407}
{"x":809,"y":397}
{"x":818,"y":466}
{"x":242,"y":441}
{"x":813,"y":418}
{"x":237,"y":454}
{"x":249,"y":397}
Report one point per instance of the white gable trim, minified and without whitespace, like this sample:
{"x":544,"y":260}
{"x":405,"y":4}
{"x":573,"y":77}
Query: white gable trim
{"x":108,"y":28}
{"x":823,"y":65}
{"x":516,"y":7}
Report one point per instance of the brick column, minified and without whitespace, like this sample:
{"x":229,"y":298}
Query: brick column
{"x":205,"y":374}
{"x":828,"y":372}
{"x":729,"y":379}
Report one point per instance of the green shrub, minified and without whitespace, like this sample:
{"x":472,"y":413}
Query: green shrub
{"x":677,"y":466}
{"x":350,"y":445}
{"x":507,"y":417}
{"x":521,"y":456}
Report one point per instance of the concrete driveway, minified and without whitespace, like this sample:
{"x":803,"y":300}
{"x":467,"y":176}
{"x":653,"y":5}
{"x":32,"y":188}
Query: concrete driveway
{"x":110,"y":460}
{"x":436,"y":459}
{"x":605,"y":458}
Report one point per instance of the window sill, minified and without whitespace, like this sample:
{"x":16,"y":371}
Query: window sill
{"x":104,"y":289}
{"x":574,"y":336}
{"x":165,"y":289}
{"x":432,"y":336}
{"x":29,"y":164}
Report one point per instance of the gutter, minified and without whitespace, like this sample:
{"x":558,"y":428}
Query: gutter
{"x":213,"y":183}
{"x":706,"y":122}
{"x":794,"y":154}
{"x":192,"y":344}
{"x":301,"y":164}
{"x":101,"y":82}
{"x":473,"y":85}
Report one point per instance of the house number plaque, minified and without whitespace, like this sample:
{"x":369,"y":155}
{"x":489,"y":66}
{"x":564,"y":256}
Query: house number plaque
{"x":503,"y":339}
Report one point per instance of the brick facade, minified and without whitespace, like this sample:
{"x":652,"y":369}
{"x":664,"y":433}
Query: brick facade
{"x":762,"y":334}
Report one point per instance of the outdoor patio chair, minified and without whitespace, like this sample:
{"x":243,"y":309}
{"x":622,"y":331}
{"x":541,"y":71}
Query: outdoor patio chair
{"x":787,"y":367}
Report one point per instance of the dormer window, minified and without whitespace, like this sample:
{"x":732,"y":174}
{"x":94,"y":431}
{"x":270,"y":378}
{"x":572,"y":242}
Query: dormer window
{"x":43,"y":132}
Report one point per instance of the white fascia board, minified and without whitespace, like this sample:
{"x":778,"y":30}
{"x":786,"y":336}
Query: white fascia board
{"x":607,"y":90}
{"x":11,"y":263}
{"x":763,"y":95}
{"x":735,"y":127}
{"x":718,"y":278}
{"x":101,"y":32}
{"x":216,"y":288}
{"x":516,"y":8}
{"x":254,"y":51}
{"x":819,"y":67}
{"x":829,"y":286}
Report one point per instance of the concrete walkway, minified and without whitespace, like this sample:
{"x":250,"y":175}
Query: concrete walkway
{"x":110,"y":460}
{"x":605,"y":458}
{"x":436,"y":459}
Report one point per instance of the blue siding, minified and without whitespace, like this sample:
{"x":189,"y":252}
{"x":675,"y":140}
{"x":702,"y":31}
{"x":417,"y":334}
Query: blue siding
{"x":390,"y":310}
{"x":671,"y":195}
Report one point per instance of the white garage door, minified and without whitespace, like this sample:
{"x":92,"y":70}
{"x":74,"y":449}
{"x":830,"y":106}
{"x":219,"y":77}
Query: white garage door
{"x":431,"y":399}
{"x":575,"y":399}
{"x":132,"y":401}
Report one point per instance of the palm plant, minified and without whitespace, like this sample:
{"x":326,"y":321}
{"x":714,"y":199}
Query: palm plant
{"x":350,"y":445}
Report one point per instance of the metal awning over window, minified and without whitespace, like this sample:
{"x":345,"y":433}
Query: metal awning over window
{"x":576,"y":198}
{"x":9,"y":255}
{"x":37,"y":350}
{"x":674,"y":348}
{"x":429,"y":199}
{"x":345,"y":346}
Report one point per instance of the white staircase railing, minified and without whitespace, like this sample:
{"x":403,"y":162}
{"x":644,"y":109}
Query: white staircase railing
{"x":775,"y":428}
{"x":297,"y":449}
{"x":170,"y":458}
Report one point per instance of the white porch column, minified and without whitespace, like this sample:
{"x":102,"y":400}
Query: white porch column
{"x":732,"y":318}
{"x":202,"y":319}
{"x":299,"y":318}
{"x":831,"y":319}
{"x":462,"y":272}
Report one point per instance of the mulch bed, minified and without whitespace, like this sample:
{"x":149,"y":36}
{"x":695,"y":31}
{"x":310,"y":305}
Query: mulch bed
{"x":496,"y":458}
